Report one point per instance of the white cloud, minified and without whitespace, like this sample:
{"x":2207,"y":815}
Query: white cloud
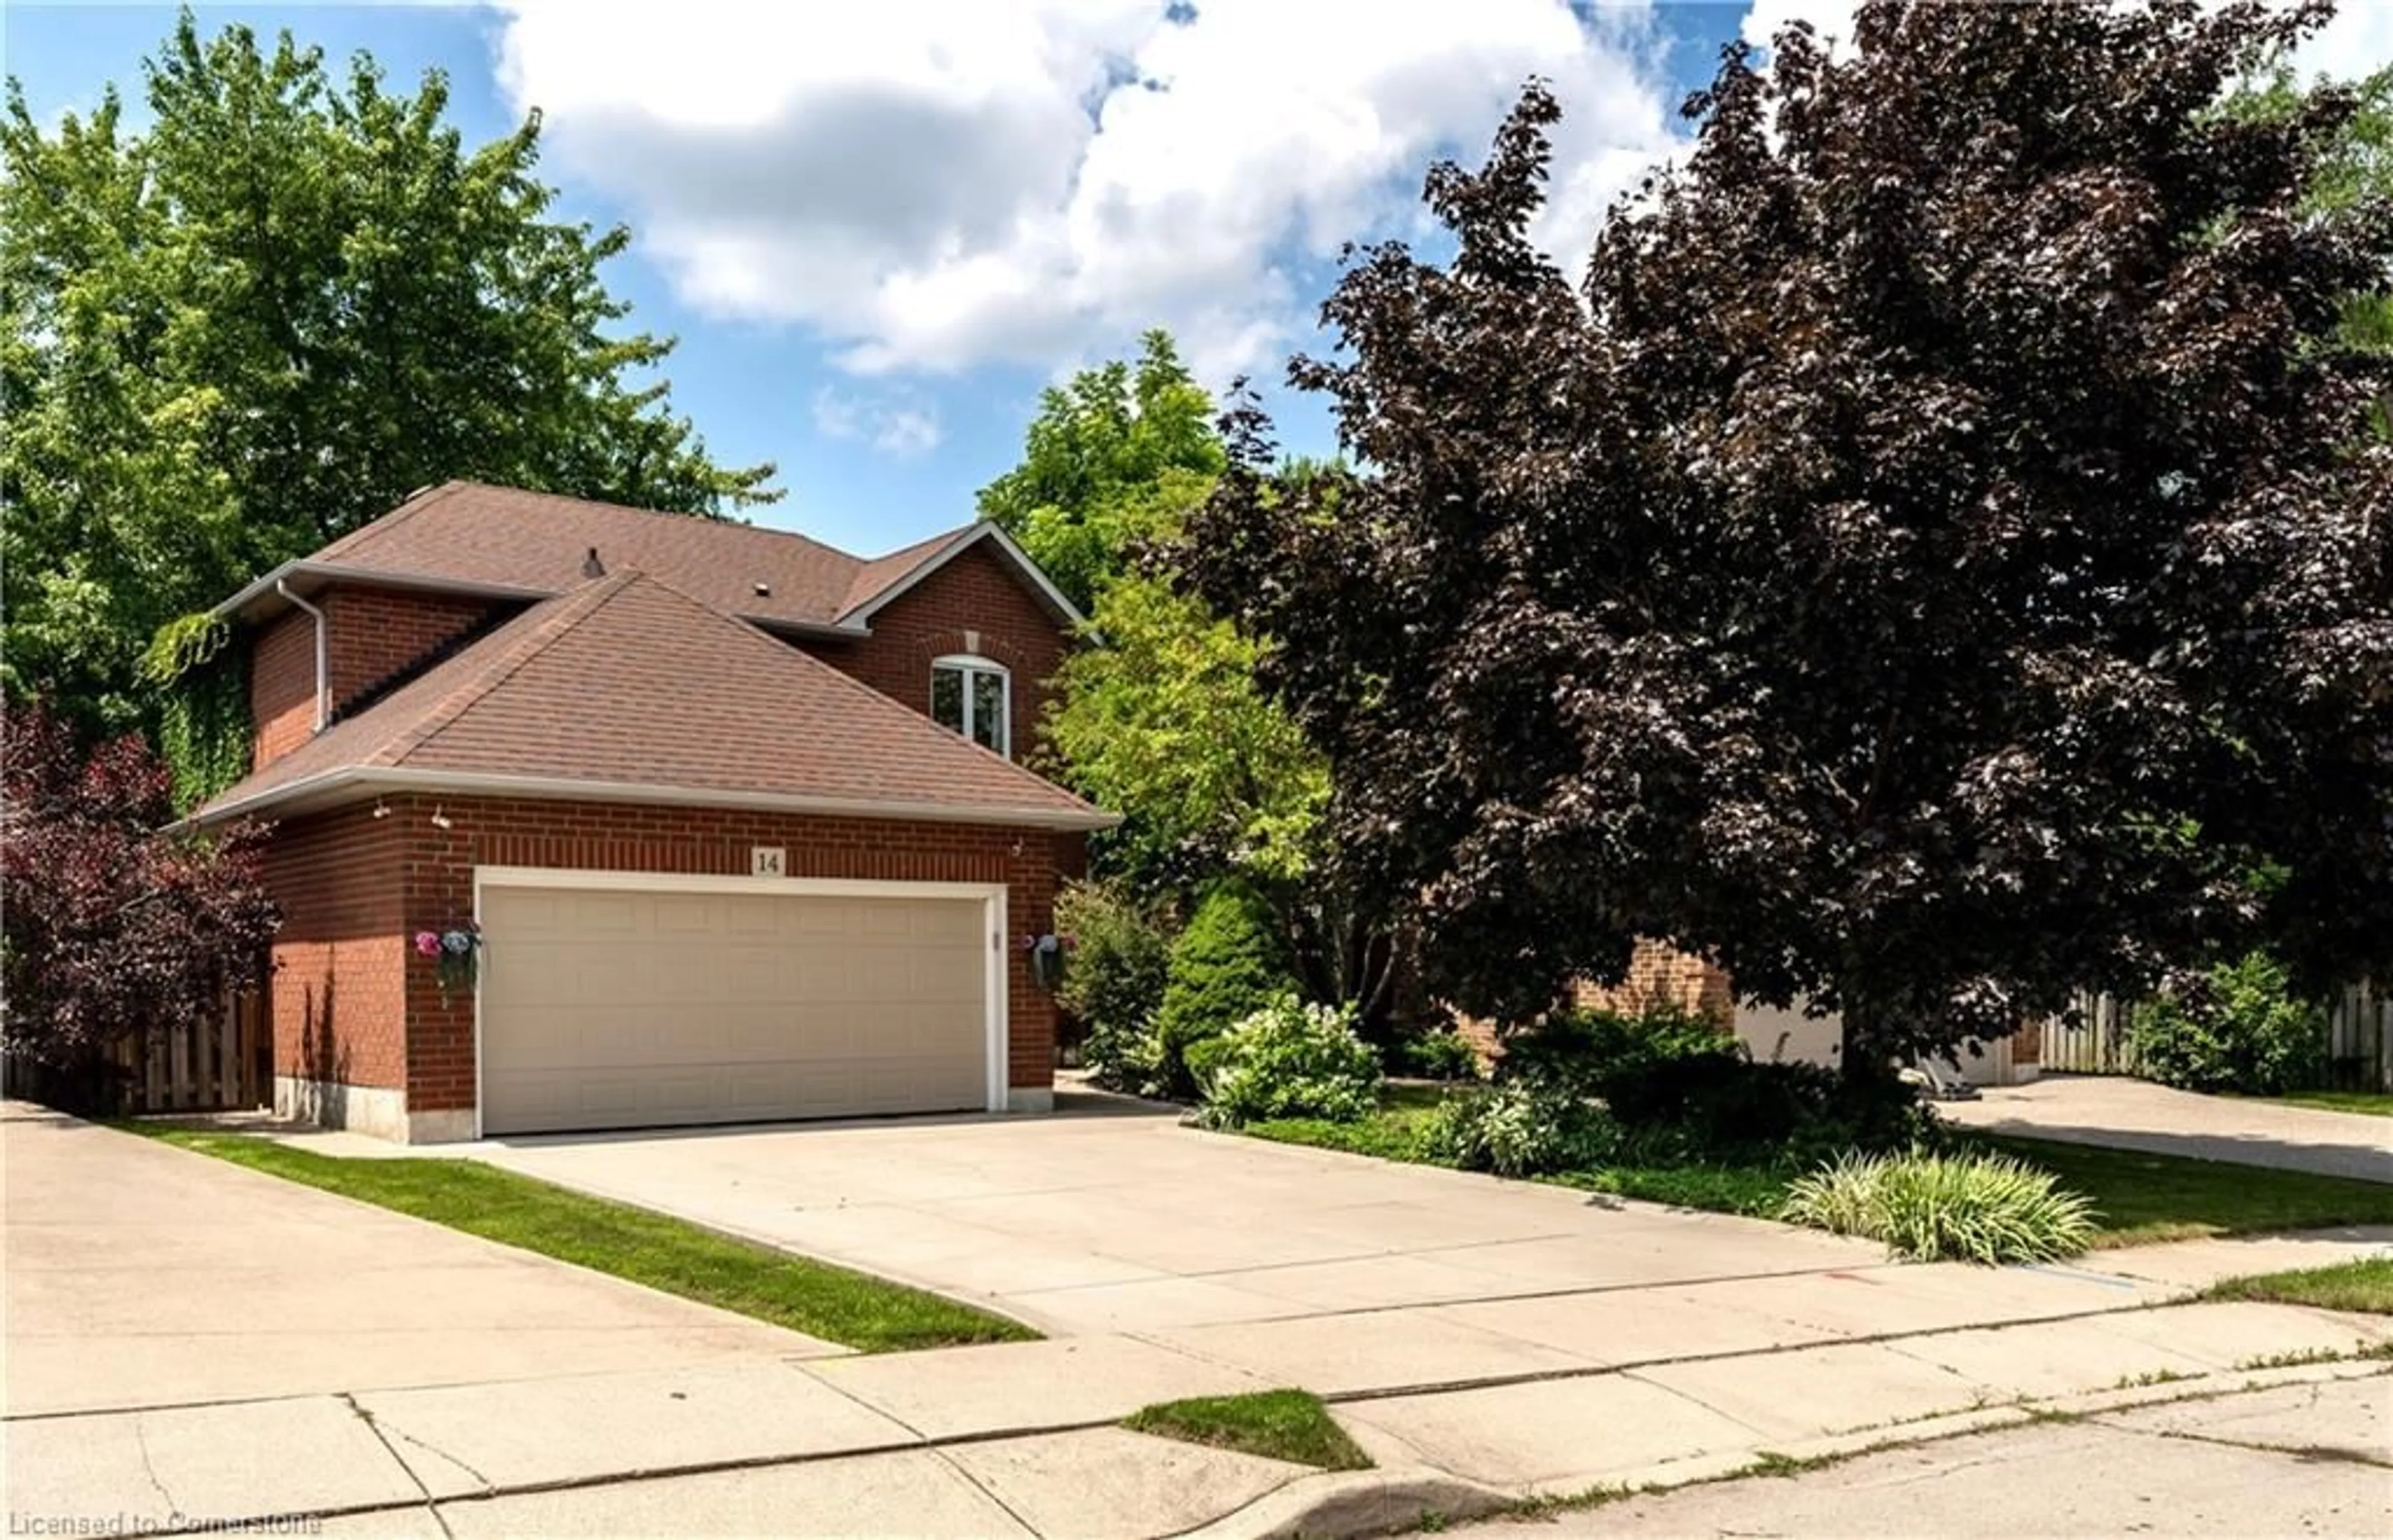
{"x":892,"y":424}
{"x":937,"y":185}
{"x":1832,"y":20}
{"x":2357,"y":41}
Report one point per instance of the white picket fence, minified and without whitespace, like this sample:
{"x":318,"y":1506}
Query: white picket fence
{"x":2091,"y":1037}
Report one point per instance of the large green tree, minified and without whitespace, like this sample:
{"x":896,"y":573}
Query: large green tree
{"x":2353,"y":170}
{"x":288,"y":300}
{"x":1120,"y":449}
{"x":1935,"y":562}
{"x":1159,"y":717}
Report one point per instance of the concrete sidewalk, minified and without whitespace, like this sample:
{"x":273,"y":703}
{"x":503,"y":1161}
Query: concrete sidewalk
{"x":2127,"y":1113}
{"x":193,"y":1345}
{"x":2306,"y":1458}
{"x":1653,"y":1384}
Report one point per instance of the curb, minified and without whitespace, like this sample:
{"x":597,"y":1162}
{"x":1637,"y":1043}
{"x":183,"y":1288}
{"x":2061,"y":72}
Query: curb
{"x":1348,"y":1505}
{"x":1339,"y":1505}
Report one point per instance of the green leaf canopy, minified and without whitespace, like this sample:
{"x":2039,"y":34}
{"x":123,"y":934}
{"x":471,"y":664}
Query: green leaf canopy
{"x":290,"y":300}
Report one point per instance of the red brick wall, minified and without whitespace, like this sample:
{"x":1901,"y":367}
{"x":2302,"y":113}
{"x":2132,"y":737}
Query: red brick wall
{"x":369,"y":634}
{"x":339,"y":985}
{"x":438,"y":891}
{"x":374,"y":633}
{"x":978,"y":590}
{"x":1658,"y":978}
{"x":281,"y":687}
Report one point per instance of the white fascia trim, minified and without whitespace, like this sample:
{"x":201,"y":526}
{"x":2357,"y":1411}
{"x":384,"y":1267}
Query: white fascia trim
{"x":332,"y":784}
{"x":267,"y":586}
{"x":983,"y":530}
{"x":774,"y":624}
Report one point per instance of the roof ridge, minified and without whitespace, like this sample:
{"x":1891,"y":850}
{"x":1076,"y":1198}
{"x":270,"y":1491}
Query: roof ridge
{"x":410,"y":505}
{"x":572,"y":610}
{"x":660,"y":513}
{"x":924,"y":552}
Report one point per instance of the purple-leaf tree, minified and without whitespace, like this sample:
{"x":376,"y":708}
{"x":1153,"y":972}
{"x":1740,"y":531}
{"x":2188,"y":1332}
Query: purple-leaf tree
{"x":115,"y":925}
{"x":1941,"y":558}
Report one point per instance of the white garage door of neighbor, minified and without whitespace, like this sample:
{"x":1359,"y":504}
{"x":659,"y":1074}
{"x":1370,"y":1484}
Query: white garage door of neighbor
{"x":631,"y":1007}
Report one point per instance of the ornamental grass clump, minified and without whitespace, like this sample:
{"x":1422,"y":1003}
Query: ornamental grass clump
{"x":1934,"y":1208}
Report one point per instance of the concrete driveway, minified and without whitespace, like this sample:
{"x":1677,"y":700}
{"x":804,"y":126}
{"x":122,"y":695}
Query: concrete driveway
{"x":2128,"y":1113}
{"x":1109,"y":1217}
{"x":139,"y":1275}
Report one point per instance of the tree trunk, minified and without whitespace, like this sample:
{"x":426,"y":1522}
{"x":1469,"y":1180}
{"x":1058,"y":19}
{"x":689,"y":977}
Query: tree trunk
{"x":1867,"y":1054}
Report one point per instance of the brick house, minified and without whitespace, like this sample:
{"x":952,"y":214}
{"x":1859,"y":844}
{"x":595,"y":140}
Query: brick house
{"x":1662,"y":978}
{"x":736,"y":818}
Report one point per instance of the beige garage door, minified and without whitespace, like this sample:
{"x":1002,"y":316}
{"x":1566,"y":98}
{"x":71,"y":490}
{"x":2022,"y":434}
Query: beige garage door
{"x":630,"y":1009}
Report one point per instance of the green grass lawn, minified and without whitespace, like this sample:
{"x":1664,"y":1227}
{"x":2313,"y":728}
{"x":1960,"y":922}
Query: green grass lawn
{"x":2376,"y":1104}
{"x":1399,"y":1130}
{"x":1278,"y":1425}
{"x":863,"y":1312}
{"x":2141,"y":1197}
{"x":2361,"y":1285}
{"x":2156,"y":1198}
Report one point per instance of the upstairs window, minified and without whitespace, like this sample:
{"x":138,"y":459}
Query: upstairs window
{"x":973,"y":697}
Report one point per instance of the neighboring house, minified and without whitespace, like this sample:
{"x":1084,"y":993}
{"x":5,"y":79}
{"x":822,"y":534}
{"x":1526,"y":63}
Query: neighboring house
{"x":738,"y":818}
{"x":1660,"y":977}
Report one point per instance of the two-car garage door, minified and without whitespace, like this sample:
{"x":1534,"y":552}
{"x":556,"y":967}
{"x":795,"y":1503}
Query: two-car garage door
{"x":630,"y":1007}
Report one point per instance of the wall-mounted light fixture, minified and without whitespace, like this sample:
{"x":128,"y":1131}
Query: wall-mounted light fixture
{"x":440,"y":818}
{"x":381,"y":808}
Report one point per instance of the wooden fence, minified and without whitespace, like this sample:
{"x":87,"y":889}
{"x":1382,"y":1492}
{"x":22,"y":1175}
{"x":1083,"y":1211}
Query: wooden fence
{"x":2360,"y":1039}
{"x":220,"y":1063}
{"x":2091,"y":1038}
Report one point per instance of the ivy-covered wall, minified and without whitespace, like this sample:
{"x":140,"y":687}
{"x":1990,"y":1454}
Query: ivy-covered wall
{"x":199,"y":669}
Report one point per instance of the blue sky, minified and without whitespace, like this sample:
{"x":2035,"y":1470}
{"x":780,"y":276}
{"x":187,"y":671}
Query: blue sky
{"x":879,"y":232}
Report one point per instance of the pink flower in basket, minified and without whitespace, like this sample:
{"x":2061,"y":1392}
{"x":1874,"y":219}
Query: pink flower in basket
{"x":427,"y":944}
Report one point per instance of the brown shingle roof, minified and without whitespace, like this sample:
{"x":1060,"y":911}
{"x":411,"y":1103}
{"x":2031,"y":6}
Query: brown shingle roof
{"x":499,"y":541}
{"x":465,"y":532}
{"x":877,"y":576}
{"x":628,"y":683}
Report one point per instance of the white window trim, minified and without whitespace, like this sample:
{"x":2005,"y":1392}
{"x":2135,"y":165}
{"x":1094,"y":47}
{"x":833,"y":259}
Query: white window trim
{"x":972,"y":663}
{"x":998,"y":1022}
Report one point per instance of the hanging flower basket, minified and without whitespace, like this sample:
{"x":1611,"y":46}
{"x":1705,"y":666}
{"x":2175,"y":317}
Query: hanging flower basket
{"x":454,"y":953}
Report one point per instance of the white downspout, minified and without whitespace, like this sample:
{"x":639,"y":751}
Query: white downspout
{"x":282,"y":586}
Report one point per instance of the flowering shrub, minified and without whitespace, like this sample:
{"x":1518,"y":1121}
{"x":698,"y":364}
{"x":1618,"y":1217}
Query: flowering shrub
{"x":1287,"y":1060}
{"x":1530,"y":1127}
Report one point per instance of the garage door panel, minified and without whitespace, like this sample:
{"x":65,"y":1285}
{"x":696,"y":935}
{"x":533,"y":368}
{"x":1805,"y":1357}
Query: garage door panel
{"x":623,"y":1008}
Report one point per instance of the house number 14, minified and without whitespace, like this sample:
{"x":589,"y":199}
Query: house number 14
{"x":768,"y":861}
